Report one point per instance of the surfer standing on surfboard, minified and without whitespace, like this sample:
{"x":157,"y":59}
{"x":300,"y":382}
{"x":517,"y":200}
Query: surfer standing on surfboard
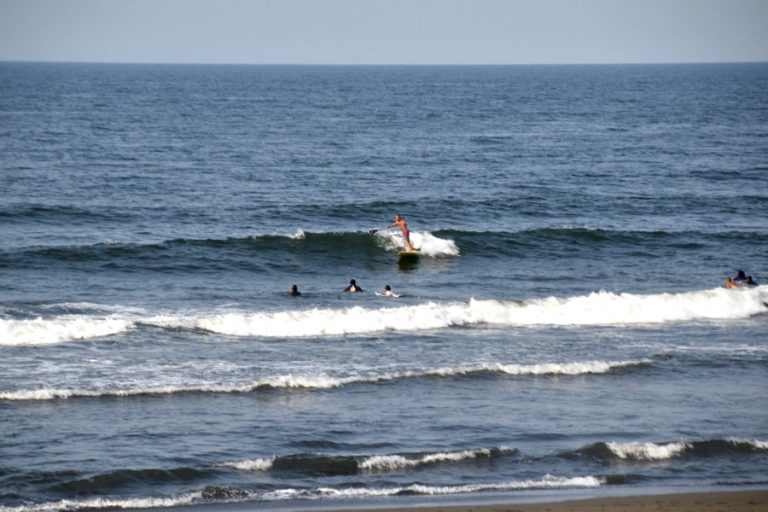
{"x":403,"y":225}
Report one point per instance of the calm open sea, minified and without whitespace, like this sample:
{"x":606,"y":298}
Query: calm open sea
{"x":565,"y":329}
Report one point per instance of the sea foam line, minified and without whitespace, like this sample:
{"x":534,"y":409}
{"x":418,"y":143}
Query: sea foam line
{"x":106,"y":503}
{"x":324,"y":381}
{"x":547,"y":482}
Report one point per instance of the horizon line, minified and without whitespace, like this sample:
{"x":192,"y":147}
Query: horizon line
{"x":393,"y":64}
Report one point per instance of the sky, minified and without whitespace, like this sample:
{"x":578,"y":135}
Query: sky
{"x":384,"y":31}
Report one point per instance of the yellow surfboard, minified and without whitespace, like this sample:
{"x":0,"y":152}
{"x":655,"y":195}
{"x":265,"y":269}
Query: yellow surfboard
{"x":408,"y":256}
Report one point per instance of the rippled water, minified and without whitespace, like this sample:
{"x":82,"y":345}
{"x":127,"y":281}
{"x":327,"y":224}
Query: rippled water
{"x":565,"y":327}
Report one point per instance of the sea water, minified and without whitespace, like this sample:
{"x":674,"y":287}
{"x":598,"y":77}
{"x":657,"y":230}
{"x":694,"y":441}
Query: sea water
{"x":565,"y":329}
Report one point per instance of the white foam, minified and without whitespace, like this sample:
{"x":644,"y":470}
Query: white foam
{"x":264,"y":464}
{"x":547,"y":482}
{"x":648,"y":451}
{"x":755,"y":443}
{"x":381,"y":463}
{"x":106,"y":503}
{"x":427,"y":243}
{"x":600,"y":308}
{"x":300,"y":234}
{"x":40,"y":330}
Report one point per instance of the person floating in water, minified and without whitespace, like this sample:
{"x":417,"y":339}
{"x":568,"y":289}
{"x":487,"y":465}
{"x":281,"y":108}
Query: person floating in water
{"x":353,"y":288}
{"x":387,"y":292}
{"x":294,"y":291}
{"x":730,"y":283}
{"x":743,"y":279}
{"x":403,"y":225}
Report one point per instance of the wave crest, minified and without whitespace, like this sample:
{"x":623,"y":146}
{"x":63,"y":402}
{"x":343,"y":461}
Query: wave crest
{"x":599,"y":308}
{"x":324,"y":381}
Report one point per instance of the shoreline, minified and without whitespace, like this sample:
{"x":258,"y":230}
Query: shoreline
{"x":740,"y":499}
{"x":699,"y":501}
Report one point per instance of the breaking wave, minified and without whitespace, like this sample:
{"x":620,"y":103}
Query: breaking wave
{"x":648,"y":451}
{"x":229,"y":494}
{"x":41,"y":331}
{"x":599,"y":308}
{"x":351,"y":465}
{"x":324,"y":381}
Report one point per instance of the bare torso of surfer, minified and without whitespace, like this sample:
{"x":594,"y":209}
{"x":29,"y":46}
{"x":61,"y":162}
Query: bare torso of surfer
{"x":403,"y":225}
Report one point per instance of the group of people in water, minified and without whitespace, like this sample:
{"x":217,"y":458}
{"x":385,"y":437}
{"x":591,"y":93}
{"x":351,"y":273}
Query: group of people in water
{"x":353,"y":286}
{"x":740,"y":280}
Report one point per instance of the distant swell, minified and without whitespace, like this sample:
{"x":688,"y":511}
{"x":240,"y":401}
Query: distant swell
{"x":324,"y":381}
{"x":185,"y":254}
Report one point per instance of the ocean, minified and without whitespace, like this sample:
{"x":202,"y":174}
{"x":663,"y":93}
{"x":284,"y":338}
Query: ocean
{"x":565,"y":331}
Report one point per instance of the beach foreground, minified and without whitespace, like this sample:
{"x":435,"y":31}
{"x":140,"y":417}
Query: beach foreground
{"x":730,"y":501}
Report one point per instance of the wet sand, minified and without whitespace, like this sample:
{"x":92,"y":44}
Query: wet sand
{"x":730,"y":501}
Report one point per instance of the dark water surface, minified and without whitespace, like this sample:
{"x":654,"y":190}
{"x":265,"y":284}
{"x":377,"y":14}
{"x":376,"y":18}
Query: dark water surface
{"x":565,"y":328}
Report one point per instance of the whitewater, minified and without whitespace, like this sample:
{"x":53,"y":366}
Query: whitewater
{"x":598,"y":308}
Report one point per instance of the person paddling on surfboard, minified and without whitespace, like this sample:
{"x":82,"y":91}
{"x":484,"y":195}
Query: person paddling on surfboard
{"x":403,"y":225}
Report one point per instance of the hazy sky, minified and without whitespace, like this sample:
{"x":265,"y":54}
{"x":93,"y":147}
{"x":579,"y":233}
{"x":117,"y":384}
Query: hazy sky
{"x":385,"y":31}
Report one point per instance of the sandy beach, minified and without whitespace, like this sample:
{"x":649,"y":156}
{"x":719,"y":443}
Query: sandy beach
{"x":729,"y":501}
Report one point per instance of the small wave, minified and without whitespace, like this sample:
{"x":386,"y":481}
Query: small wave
{"x":547,"y":482}
{"x":649,"y":452}
{"x":263,"y":464}
{"x":350,"y":465}
{"x":387,"y":463}
{"x":324,"y":381}
{"x":101,"y":483}
{"x":92,"y":504}
{"x":229,"y":494}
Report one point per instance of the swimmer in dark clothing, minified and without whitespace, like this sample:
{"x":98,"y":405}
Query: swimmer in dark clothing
{"x":741,"y":277}
{"x":352,"y":288}
{"x":750,"y":281}
{"x":294,"y":291}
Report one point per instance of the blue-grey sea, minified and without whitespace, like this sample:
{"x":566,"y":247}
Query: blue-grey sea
{"x":565,"y":329}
